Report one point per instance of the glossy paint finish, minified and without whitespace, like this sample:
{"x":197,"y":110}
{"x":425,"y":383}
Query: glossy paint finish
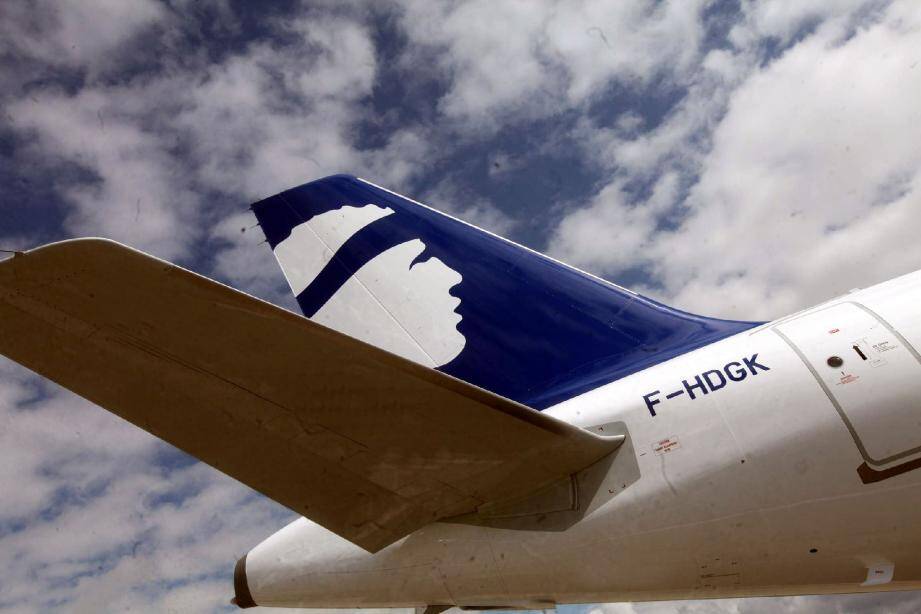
{"x":537,"y":331}
{"x":749,"y":483}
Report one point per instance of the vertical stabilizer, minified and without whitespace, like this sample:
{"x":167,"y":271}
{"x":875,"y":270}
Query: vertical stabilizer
{"x":406,"y":278}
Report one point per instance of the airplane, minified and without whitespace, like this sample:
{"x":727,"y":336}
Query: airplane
{"x":462,"y":421}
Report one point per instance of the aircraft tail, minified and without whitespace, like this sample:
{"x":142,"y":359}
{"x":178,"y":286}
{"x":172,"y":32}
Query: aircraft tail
{"x":413,"y":281}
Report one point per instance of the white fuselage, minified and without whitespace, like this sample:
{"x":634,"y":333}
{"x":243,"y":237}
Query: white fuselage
{"x":785,"y":474}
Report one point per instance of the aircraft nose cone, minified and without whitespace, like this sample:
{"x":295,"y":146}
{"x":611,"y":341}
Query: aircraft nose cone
{"x":242,"y":597}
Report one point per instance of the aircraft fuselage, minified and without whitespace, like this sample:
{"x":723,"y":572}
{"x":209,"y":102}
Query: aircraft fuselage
{"x":781,"y":460}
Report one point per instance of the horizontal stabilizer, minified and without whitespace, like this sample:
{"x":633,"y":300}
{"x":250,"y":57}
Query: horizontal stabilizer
{"x":366,"y":443}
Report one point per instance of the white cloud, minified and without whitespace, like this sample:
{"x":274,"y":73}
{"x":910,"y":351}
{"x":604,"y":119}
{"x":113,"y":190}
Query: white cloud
{"x":141,"y":195}
{"x":462,"y":202}
{"x":784,"y":19}
{"x":38,"y":452}
{"x":81,"y":519}
{"x":266,"y":118}
{"x":245,"y":261}
{"x":638,"y":42}
{"x":86,"y":34}
{"x":517,"y":60}
{"x":483,"y":50}
{"x":805,"y":188}
{"x":611,"y":231}
{"x":277,"y":115}
{"x":817,"y":162}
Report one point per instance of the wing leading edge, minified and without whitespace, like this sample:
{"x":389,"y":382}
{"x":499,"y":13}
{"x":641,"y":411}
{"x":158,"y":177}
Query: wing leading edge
{"x":367,"y":444}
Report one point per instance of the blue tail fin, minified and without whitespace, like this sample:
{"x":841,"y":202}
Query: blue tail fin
{"x":416,"y":282}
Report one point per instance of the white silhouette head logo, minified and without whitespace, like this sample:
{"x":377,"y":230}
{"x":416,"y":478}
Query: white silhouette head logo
{"x":389,"y":302}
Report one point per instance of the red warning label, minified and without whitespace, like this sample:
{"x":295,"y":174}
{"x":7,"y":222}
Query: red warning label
{"x":665,"y":446}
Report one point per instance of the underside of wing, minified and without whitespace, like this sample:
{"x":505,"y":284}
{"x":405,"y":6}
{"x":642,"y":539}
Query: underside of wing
{"x":368,"y":444}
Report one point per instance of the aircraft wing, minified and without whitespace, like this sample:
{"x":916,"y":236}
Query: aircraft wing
{"x":365,"y":443}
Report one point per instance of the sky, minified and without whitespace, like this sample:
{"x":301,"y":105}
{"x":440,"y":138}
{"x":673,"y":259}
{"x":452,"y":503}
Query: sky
{"x":729,"y":158}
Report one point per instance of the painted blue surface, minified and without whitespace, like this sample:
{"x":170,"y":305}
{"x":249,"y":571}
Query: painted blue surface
{"x":537,"y":331}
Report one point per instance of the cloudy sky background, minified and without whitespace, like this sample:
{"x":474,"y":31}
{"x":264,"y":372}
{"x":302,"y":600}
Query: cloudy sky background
{"x":729,"y":158}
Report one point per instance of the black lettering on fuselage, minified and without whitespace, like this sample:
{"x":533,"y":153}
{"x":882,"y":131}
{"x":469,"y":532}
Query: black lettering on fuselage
{"x":709,"y":381}
{"x":735,"y":371}
{"x":752,"y":362}
{"x":650,"y":402}
{"x":690,"y":388}
{"x":712,"y":374}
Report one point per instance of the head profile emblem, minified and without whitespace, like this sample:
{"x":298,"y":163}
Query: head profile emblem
{"x":348,"y":274}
